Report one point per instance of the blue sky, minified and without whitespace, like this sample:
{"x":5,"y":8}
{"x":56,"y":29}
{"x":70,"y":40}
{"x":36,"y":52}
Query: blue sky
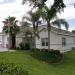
{"x":15,"y":8}
{"x":71,"y":24}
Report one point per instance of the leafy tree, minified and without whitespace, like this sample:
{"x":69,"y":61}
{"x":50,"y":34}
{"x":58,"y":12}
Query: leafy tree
{"x":11,"y":27}
{"x":49,"y":14}
{"x":57,"y":5}
{"x":33,"y":19}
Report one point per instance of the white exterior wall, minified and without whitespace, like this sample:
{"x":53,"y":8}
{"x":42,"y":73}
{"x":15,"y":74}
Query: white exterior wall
{"x":3,"y":40}
{"x":69,"y":42}
{"x":18,"y":41}
{"x":56,"y":41}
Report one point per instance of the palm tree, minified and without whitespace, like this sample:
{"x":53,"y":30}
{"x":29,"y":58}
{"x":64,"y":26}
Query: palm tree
{"x":11,"y":27}
{"x":33,"y":18}
{"x":60,"y":22}
{"x":28,"y":31}
{"x":49,"y":14}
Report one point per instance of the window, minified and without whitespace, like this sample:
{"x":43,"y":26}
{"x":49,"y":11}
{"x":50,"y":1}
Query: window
{"x":44,"y":41}
{"x":63,"y":41}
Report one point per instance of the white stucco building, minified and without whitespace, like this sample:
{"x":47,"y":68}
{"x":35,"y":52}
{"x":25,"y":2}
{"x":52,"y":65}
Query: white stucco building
{"x":59,"y":39}
{"x":3,"y":40}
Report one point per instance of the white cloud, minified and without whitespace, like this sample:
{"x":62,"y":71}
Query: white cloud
{"x":12,"y":9}
{"x":69,"y":13}
{"x":16,"y":9}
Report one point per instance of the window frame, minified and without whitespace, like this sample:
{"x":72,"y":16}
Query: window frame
{"x":74,"y":40}
{"x":63,"y":41}
{"x":44,"y":41}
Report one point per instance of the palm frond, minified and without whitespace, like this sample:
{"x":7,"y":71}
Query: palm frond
{"x":59,"y":22}
{"x":13,"y":28}
{"x":43,"y":29}
{"x":26,"y":24}
{"x":48,"y":13}
{"x":56,"y":23}
{"x":27,"y":18}
{"x":11,"y":19}
{"x":5,"y":29}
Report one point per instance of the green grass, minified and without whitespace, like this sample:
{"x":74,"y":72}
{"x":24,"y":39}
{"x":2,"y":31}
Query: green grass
{"x":38,"y":67}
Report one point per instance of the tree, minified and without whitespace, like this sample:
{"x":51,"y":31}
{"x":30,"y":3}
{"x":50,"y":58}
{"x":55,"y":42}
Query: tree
{"x":60,"y":22}
{"x":34,"y":19}
{"x":58,"y":4}
{"x":26,"y":31}
{"x":48,"y":14}
{"x":11,"y":27}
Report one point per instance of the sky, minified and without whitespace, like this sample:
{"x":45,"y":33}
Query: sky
{"x":15,"y":8}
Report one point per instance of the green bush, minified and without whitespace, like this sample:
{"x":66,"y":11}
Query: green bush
{"x":73,"y":48}
{"x":11,"y":69}
{"x":52,"y":56}
{"x":24,"y":46}
{"x":17,"y":48}
{"x":56,"y":56}
{"x":27,"y":46}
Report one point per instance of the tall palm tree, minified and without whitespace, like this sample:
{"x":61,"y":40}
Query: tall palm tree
{"x":11,"y":27}
{"x":33,"y":18}
{"x":49,"y":14}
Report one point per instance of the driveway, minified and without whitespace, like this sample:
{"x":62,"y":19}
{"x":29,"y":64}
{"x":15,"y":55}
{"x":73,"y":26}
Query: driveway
{"x":3,"y":49}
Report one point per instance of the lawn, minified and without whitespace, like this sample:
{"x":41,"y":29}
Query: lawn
{"x":38,"y":67}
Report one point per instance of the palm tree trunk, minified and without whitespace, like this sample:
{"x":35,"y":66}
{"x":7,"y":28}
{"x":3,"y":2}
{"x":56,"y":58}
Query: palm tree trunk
{"x":9,"y":41}
{"x":49,"y":29}
{"x":13,"y":41}
{"x":34,"y":29}
{"x":48,"y":40}
{"x":34,"y":42}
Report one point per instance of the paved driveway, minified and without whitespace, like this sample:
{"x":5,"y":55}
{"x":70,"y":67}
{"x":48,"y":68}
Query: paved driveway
{"x":3,"y":49}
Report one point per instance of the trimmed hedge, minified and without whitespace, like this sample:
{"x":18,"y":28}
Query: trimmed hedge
{"x":52,"y":56}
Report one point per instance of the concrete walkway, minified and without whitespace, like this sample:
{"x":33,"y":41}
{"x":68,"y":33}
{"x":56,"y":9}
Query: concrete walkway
{"x":6,"y":49}
{"x":3,"y":49}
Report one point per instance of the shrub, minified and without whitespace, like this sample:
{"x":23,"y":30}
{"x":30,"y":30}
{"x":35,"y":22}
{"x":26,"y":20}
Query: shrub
{"x":52,"y":56}
{"x":73,"y":48}
{"x":55,"y":52}
{"x":56,"y":56}
{"x":36,"y":49}
{"x":27,"y":46}
{"x":17,"y":48}
{"x":11,"y":69}
{"x":24,"y":46}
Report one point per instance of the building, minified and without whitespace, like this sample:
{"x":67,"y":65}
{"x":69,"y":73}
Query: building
{"x":3,"y":40}
{"x":62,"y":40}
